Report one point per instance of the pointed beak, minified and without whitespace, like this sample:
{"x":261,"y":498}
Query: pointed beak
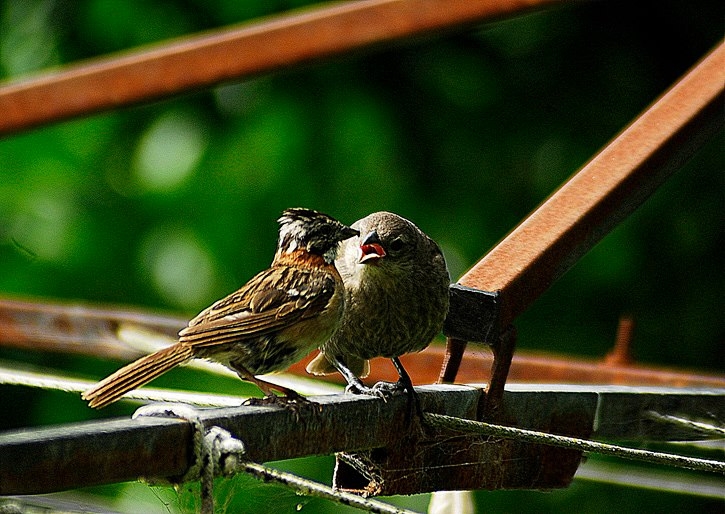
{"x":348,"y":232}
{"x":370,"y":250}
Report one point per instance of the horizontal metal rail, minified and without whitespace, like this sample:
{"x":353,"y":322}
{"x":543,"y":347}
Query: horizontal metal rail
{"x":98,"y":331}
{"x":78,"y":328}
{"x":56,"y":458}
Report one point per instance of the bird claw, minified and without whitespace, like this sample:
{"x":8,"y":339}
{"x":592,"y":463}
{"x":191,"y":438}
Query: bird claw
{"x":256,"y":402}
{"x":387,"y":390}
{"x":356,"y":389}
{"x":296,"y":404}
{"x":383,"y":390}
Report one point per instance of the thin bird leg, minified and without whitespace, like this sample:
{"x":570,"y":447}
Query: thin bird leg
{"x":407,"y":385}
{"x":354,"y":384}
{"x":383,"y":390}
{"x":267,"y":387}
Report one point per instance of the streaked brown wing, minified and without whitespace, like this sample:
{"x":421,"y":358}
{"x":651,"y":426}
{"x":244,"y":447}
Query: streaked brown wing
{"x":236,"y":302}
{"x":261,"y":307}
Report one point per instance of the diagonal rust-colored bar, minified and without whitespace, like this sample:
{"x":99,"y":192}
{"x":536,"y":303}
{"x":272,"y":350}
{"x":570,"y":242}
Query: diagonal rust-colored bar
{"x":604,"y":192}
{"x":234,"y":53}
{"x":591,"y":203}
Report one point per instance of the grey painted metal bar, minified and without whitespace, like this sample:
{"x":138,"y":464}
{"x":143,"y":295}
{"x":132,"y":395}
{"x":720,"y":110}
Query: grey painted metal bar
{"x":50,"y":459}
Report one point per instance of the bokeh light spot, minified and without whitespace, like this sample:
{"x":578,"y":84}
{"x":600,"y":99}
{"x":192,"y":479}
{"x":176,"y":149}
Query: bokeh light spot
{"x":168,"y":152}
{"x":179,"y":266}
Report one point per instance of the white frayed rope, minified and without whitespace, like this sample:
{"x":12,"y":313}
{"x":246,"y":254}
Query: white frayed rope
{"x":216,"y":451}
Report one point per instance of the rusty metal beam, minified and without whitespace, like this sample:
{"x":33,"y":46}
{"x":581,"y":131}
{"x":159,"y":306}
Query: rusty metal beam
{"x":76,"y":328}
{"x":604,"y":192}
{"x":235,"y":53}
{"x":586,"y":208}
{"x":84,"y":329}
{"x":533,"y":367}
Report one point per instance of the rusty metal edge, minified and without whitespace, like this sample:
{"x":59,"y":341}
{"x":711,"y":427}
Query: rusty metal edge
{"x":604,"y":192}
{"x":250,"y":49}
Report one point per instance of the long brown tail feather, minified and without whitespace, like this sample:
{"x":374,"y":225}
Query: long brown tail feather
{"x":136,"y":374}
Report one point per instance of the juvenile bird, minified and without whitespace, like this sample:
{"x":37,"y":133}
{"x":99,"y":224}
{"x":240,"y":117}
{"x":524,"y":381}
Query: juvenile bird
{"x":274,"y":320}
{"x":396,"y":298}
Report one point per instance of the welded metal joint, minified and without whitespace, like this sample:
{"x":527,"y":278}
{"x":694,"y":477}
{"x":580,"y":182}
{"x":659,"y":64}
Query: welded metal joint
{"x":472,"y":315}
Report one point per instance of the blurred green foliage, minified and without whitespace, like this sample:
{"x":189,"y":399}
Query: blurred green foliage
{"x":173,"y":204}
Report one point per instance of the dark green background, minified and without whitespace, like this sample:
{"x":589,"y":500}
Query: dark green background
{"x":464,"y":134}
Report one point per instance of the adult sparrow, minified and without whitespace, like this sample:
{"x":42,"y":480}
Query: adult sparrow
{"x":273,"y":321}
{"x":396,"y":298}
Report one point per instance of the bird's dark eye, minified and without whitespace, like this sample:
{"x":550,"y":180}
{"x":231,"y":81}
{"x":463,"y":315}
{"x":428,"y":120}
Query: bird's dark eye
{"x":396,"y":244}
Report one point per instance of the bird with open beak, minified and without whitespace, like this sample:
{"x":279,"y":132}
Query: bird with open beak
{"x":271,"y":322}
{"x":396,"y":299}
